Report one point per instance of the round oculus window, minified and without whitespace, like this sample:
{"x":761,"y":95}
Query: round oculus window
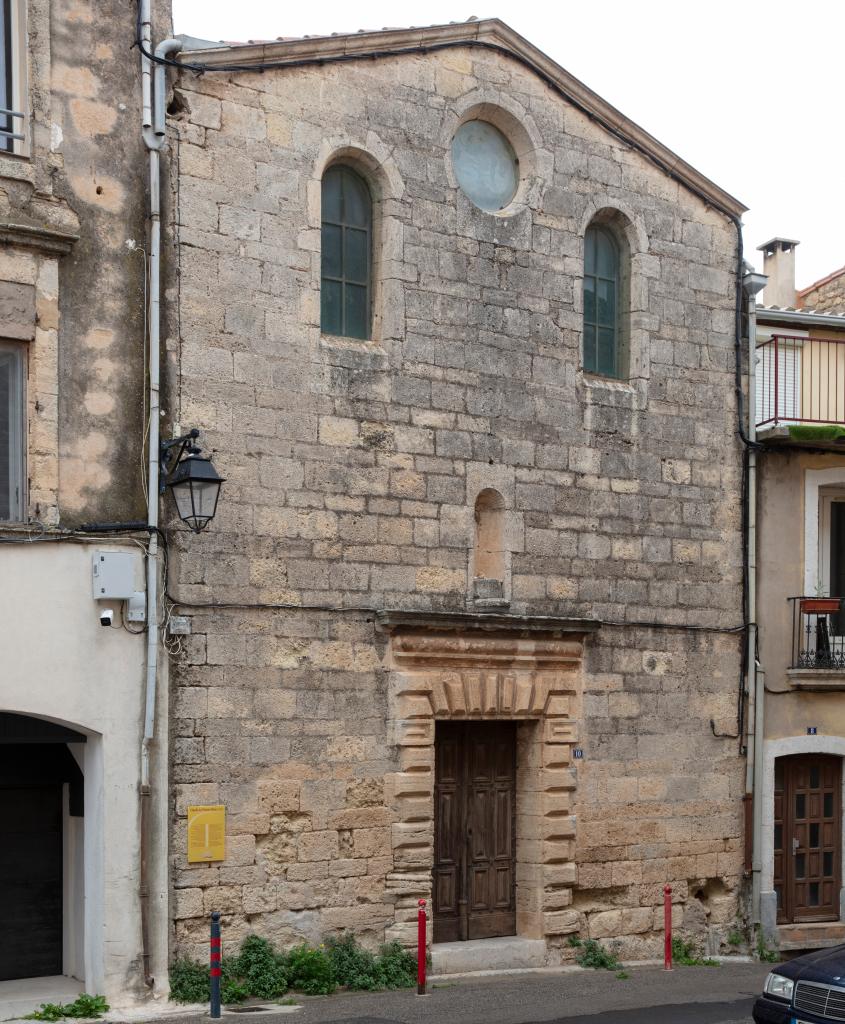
{"x":485,"y":165}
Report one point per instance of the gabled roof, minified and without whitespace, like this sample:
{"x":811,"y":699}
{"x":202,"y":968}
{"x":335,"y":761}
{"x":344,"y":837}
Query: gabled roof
{"x":822,"y":281}
{"x":490,"y":34}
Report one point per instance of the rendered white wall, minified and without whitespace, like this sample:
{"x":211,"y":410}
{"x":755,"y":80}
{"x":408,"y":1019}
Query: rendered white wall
{"x":61,"y":664}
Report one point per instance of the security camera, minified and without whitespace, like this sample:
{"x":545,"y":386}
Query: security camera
{"x":106,"y":617}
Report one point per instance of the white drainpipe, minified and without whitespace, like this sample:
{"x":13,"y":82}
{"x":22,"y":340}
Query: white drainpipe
{"x":153,"y":86}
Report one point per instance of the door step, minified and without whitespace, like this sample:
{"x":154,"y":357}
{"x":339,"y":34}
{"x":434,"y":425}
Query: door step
{"x":18,"y":998}
{"x":502,"y":954}
{"x":811,"y":936}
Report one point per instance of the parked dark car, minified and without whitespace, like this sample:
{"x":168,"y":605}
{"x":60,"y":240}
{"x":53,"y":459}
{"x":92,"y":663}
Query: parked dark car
{"x":807,"y":990}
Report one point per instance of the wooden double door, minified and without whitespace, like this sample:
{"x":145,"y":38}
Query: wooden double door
{"x":475,"y":804}
{"x":808,"y":837}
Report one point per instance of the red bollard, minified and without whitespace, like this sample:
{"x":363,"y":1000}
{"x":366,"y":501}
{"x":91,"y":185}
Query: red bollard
{"x":667,"y":928}
{"x":421,"y":949}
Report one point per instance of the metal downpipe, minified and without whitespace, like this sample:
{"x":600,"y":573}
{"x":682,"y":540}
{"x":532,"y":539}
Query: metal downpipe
{"x":153,"y":85}
{"x":756,"y":689}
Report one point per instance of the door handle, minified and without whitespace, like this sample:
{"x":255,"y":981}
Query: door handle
{"x":795,"y":844}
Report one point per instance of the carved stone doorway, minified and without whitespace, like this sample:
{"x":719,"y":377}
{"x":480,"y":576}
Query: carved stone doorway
{"x":465,"y":668}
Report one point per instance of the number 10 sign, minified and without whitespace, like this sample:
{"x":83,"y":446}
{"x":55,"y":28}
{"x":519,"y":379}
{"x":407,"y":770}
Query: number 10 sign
{"x":206,"y":834}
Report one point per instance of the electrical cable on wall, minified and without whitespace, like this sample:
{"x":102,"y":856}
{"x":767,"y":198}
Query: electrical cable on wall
{"x":85,"y":535}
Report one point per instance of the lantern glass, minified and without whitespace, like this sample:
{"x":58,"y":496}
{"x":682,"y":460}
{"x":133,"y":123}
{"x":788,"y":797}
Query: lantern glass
{"x":196,"y":487}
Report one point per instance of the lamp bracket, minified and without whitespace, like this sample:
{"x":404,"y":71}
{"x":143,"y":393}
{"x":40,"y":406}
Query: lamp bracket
{"x":171,"y":452}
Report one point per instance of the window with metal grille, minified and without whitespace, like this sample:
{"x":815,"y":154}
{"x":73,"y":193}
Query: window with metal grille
{"x":12,"y":86}
{"x":6,"y":80}
{"x":11,"y":431}
{"x":603,"y":353}
{"x":346,"y":267}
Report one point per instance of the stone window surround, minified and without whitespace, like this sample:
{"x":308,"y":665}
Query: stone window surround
{"x":33,"y":262}
{"x":536,"y":164}
{"x":629,"y":228}
{"x":30,"y":162}
{"x":772,"y":749}
{"x":446,"y":667}
{"x":372,"y":159}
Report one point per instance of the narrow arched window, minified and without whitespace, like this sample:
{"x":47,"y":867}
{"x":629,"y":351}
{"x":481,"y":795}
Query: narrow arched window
{"x":603,"y":350}
{"x":346,"y":239}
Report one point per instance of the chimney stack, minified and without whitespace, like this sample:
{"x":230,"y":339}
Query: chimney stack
{"x":779,"y":266}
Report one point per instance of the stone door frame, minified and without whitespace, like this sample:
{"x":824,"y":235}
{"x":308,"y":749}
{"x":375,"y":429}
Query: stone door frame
{"x":468,"y":667}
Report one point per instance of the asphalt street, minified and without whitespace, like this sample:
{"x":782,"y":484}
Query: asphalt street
{"x":687,"y":995}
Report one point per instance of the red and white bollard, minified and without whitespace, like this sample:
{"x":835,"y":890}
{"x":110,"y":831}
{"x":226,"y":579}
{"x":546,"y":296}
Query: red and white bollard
{"x":421,"y":920}
{"x":667,"y":928}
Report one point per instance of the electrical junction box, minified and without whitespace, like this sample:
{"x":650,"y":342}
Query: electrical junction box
{"x":114,"y":575}
{"x":118,"y":576}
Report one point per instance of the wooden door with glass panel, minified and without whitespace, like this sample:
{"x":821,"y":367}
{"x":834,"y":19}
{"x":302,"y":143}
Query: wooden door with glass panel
{"x":808,"y":837}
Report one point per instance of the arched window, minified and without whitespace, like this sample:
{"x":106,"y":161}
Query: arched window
{"x":603,"y":347}
{"x":346,"y":239}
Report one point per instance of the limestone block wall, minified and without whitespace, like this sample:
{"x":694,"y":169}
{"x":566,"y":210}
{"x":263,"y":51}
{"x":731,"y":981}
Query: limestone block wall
{"x":69,"y":202}
{"x":353,"y":470}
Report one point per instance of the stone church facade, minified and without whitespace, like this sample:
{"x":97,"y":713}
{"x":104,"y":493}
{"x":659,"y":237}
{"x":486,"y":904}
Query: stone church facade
{"x":462,"y":628}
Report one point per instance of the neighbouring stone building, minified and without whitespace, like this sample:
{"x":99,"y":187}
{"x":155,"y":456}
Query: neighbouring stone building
{"x":826,"y":295}
{"x":72,"y":192}
{"x":464,"y":628}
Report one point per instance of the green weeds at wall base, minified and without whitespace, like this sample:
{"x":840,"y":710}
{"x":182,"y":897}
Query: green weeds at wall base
{"x":594,"y":955}
{"x":259,"y":971}
{"x":84,"y":1006}
{"x":685,"y":955}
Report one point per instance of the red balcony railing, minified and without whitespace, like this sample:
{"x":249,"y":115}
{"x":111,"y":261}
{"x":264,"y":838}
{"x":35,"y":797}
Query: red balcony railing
{"x":800,"y":380}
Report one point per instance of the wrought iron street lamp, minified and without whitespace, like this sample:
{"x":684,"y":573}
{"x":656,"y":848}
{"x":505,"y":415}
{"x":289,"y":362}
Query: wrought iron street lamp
{"x":192,"y":479}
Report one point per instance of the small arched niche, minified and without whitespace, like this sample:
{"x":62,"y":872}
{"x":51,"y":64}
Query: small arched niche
{"x":489,"y":554}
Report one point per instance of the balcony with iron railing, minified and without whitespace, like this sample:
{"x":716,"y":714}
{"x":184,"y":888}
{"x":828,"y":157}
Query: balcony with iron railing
{"x":818,"y":643}
{"x":800,"y":388}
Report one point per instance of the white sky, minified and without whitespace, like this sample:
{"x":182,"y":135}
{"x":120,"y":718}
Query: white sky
{"x":751,"y":94}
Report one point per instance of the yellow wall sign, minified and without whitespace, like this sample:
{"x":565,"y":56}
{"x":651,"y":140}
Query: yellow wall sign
{"x":206,"y":834}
